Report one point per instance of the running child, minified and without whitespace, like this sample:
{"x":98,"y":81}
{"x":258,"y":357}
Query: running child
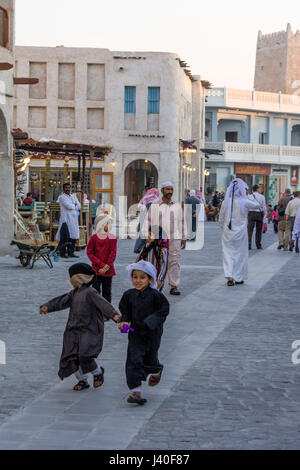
{"x":83,"y":336}
{"x":145,"y":309}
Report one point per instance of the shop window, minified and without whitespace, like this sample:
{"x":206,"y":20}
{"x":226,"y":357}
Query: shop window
{"x":56,"y":180}
{"x":4,"y":27}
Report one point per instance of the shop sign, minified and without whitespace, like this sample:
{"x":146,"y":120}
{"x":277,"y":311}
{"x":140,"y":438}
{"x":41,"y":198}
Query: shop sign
{"x":244,"y":169}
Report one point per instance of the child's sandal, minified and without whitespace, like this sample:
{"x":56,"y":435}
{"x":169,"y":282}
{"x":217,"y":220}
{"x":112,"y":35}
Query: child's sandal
{"x":82,"y":384}
{"x":154,"y":379}
{"x":134,"y":399}
{"x":99,"y":379}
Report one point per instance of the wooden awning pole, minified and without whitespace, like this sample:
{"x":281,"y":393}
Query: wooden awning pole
{"x":90,"y":221}
{"x":47,"y":177}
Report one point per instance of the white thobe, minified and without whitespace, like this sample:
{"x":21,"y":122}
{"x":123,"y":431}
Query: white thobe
{"x":171,"y":218}
{"x":235,"y":241}
{"x":69,"y":207}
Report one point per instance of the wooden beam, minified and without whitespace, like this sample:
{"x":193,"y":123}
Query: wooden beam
{"x":5,"y":66}
{"x":25,"y":81}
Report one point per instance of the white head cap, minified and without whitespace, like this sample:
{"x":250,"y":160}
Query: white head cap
{"x":147,"y":268}
{"x":167,"y":184}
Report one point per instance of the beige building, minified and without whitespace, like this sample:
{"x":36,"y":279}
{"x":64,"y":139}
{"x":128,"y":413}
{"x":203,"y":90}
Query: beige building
{"x":278,"y":62}
{"x":139,"y":103}
{"x":7,"y":9}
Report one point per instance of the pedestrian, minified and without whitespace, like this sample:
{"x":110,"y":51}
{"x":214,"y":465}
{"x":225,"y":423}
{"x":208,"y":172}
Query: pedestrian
{"x":145,"y":309}
{"x":68,"y":231}
{"x":290,"y":215}
{"x":269,"y":214}
{"x":156,"y":252}
{"x":102,"y":252}
{"x":283,"y":227}
{"x":28,"y":200}
{"x":202,"y":214}
{"x":296,"y":232}
{"x":192,"y":216}
{"x":233,"y":220}
{"x":256,"y":216}
{"x":216,"y":200}
{"x":274,"y":218}
{"x":168,"y":215}
{"x":83,"y":336}
{"x":152,"y":195}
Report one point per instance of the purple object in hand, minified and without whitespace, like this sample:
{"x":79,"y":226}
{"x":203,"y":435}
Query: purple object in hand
{"x":125,"y":328}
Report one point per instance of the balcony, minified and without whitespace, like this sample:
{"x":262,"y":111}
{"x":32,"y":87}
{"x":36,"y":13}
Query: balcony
{"x":252,"y":100}
{"x":255,"y":153}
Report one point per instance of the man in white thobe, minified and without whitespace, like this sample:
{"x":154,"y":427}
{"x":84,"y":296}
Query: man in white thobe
{"x":168,"y":215}
{"x":233,"y":220}
{"x":68,"y":231}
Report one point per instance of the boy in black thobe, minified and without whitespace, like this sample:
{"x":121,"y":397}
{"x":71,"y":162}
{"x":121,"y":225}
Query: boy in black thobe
{"x":84,"y":332}
{"x":145,"y":309}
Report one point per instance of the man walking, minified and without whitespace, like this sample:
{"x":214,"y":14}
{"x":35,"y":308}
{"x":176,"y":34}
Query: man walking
{"x":68,"y":231}
{"x":290,"y":214}
{"x":283,"y":226}
{"x":168,"y":215}
{"x":193,"y":215}
{"x":256,"y":216}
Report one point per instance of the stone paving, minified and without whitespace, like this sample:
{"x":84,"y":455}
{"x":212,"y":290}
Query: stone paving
{"x":229,"y":380}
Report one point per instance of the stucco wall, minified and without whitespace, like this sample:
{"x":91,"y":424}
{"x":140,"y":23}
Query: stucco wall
{"x":6,"y":164}
{"x":96,"y":114}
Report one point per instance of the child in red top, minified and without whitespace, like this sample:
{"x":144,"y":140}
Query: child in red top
{"x":102,"y":251}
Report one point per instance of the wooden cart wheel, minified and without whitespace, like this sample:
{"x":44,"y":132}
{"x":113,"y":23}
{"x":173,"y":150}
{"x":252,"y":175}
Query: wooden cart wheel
{"x":24,"y":259}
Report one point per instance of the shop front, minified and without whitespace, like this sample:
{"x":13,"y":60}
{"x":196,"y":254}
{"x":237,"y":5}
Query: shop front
{"x":254,"y":174}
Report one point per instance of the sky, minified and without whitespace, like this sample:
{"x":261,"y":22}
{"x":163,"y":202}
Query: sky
{"x":216,"y":38}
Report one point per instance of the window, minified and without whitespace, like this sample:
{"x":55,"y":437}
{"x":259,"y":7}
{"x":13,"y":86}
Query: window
{"x":231,"y":136}
{"x":56,"y":180}
{"x":4,"y":27}
{"x":262,"y":67}
{"x":153,"y":99}
{"x":129,"y":100}
{"x":262,"y":138}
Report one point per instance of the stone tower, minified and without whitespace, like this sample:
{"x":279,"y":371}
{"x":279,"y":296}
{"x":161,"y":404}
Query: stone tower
{"x":278,"y":62}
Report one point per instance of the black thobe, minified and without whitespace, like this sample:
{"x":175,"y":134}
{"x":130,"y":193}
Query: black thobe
{"x":83,"y":336}
{"x":146,"y":311}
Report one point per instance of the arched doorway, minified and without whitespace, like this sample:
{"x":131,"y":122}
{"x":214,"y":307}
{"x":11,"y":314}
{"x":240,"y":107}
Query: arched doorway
{"x":138,"y":174}
{"x":295,"y":138}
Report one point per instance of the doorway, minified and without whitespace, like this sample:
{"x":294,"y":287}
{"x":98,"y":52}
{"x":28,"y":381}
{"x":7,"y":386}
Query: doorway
{"x":139,"y":175}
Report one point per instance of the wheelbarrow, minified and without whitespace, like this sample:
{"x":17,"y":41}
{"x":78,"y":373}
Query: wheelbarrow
{"x":33,"y":250}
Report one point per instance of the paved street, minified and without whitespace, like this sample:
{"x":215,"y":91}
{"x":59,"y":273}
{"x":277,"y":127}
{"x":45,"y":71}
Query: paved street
{"x":229,"y":382}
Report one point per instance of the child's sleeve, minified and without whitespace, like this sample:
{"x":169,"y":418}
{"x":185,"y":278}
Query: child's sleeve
{"x":102,"y":305}
{"x":113,"y":251}
{"x":159,"y":316}
{"x":125,"y":309}
{"x":90,"y":253}
{"x":59,"y":303}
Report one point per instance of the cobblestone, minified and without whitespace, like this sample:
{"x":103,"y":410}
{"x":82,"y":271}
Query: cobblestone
{"x":229,"y":381}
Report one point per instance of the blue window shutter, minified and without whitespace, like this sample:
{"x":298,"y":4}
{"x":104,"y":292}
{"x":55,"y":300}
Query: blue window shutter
{"x":153,"y":99}
{"x":129,"y":100}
